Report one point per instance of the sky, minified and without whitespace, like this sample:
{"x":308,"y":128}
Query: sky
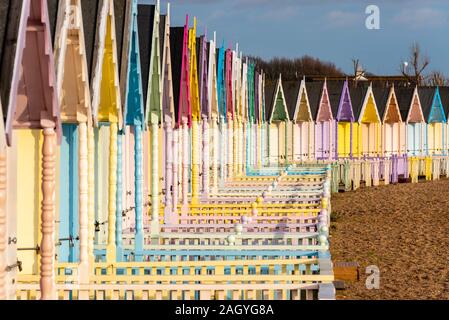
{"x":332,"y":30}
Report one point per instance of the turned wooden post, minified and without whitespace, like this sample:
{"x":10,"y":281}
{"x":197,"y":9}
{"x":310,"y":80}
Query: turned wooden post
{"x":206,"y":156}
{"x":185,"y":167}
{"x":230,"y":155}
{"x":175,"y":172}
{"x":111,"y":253}
{"x":91,"y":196}
{"x":216,"y":137}
{"x":235,"y":145}
{"x":47,"y":276}
{"x":2,"y":224}
{"x":195,"y":162}
{"x":83,"y":171}
{"x":119,"y":199}
{"x":154,"y":179}
{"x":223,"y":145}
{"x":168,"y":170}
{"x":138,"y":189}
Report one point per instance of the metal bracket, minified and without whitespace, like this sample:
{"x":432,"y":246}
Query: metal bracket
{"x":17,"y":265}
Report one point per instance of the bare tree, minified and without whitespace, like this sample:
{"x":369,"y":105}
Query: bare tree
{"x":437,"y":78}
{"x":417,"y":62}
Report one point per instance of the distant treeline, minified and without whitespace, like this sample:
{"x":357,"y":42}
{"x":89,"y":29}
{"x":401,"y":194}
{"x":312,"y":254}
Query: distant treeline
{"x":293,"y":69}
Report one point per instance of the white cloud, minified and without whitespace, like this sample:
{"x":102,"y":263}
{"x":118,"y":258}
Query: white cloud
{"x":338,"y":18}
{"x":421,"y":17}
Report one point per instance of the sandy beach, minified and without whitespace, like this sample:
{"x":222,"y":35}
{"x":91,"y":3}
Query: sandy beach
{"x":404,"y":230}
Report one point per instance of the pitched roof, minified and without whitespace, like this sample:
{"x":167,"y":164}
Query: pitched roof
{"x":381,"y":95}
{"x":176,"y":49}
{"x":444,"y":94}
{"x":358,"y":95}
{"x":145,"y":20}
{"x":314,"y":93}
{"x":426,"y":95}
{"x":404,"y":97}
{"x":162,"y":25}
{"x":270,"y":90}
{"x":10,"y":14}
{"x":291,"y":92}
{"x":90,"y":11}
{"x":120,"y":20}
{"x":53,"y":6}
{"x":335,"y":90}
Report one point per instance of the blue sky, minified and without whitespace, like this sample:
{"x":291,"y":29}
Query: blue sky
{"x":332,"y":30}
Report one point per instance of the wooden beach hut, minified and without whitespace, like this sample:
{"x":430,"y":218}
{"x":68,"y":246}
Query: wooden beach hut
{"x":303,"y":126}
{"x":181,"y":95}
{"x":291,"y":90}
{"x":212,"y":101}
{"x":367,"y":131}
{"x":277,"y":118}
{"x":411,"y":112}
{"x":149,"y":41}
{"x":393,"y":134}
{"x":203,"y":82}
{"x":168,"y":113}
{"x":130,"y":173}
{"x":196,"y":115}
{"x":229,"y":137}
{"x":444,"y":95}
{"x":324,"y":134}
{"x":343,"y":115}
{"x":30,"y":102}
{"x":432,"y":107}
{"x":221,"y":89}
{"x":314,"y":95}
{"x":72,"y":78}
{"x":102,"y":43}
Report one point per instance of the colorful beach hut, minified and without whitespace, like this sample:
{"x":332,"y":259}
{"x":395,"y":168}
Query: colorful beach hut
{"x":181,"y":95}
{"x":149,"y":33}
{"x":72,"y":78}
{"x":324,"y":133}
{"x":168,"y":113}
{"x":444,"y":95}
{"x":411,"y":112}
{"x":367,"y":131}
{"x":276,"y":117}
{"x":432,"y":107}
{"x":303,"y":126}
{"x":343,"y":115}
{"x":196,"y":114}
{"x":212,"y":101}
{"x":103,"y":59}
{"x":393,"y":134}
{"x":30,"y":101}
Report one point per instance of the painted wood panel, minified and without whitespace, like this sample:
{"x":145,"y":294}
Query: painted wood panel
{"x":68,"y":195}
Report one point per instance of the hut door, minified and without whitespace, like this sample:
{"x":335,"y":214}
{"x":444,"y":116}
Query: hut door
{"x":297,"y":143}
{"x":326,"y":139}
{"x":11,"y":216}
{"x":273,"y":144}
{"x":365,"y":139}
{"x":28,"y":197}
{"x":319,"y":140}
{"x":344,"y":139}
{"x":388,"y":148}
{"x":282,"y":132}
{"x":102,"y":181}
{"x":68,"y":196}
